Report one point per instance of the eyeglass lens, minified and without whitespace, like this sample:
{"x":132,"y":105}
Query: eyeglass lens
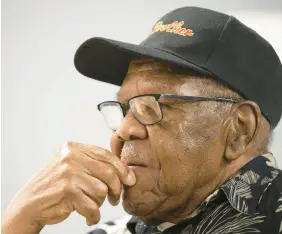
{"x":112,"y":113}
{"x":145,"y":109}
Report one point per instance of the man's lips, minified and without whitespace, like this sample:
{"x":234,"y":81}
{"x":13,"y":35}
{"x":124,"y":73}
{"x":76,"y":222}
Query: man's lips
{"x":135,"y":166}
{"x":134,"y":163}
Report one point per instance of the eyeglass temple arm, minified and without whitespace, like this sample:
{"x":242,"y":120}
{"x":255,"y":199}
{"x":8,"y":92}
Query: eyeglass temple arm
{"x":199,"y":98}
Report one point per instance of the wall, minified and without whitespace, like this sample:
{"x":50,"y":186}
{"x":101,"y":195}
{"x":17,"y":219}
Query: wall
{"x":46,"y":101}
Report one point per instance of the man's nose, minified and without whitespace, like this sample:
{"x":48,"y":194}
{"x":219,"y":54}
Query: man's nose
{"x":130,"y":129}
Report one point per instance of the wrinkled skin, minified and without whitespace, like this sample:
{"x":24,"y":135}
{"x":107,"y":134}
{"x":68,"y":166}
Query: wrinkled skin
{"x":185,"y":152}
{"x":190,"y":153}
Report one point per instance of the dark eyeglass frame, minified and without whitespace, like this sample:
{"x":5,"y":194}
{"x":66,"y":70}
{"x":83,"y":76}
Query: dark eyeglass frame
{"x":126,"y":106}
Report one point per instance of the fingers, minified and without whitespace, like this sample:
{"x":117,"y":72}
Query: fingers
{"x":97,"y":190}
{"x":109,"y":176}
{"x":116,"y":144}
{"x":96,"y":179}
{"x":86,"y":207}
{"x":94,"y":171}
{"x":125,"y":174}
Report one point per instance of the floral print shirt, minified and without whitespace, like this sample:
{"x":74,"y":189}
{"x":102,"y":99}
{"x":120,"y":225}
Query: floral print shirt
{"x":249,"y":202}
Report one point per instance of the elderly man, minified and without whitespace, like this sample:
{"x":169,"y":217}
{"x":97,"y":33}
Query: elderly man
{"x":198,"y":101}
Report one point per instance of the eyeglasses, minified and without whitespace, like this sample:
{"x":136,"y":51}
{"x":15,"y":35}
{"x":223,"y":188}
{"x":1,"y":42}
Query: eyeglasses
{"x":145,"y":108}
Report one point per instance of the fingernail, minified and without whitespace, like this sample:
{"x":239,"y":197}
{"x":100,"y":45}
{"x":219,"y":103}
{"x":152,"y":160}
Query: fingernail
{"x":117,"y":201}
{"x":131,"y":179}
{"x":88,"y":222}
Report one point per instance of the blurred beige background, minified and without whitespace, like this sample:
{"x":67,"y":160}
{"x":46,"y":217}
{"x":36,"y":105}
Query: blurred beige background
{"x":46,"y":102}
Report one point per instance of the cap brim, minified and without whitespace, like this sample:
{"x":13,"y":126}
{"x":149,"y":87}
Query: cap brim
{"x":107,"y":60}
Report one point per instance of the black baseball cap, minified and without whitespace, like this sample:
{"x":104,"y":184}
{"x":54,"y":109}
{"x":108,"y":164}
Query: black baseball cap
{"x":205,"y":41}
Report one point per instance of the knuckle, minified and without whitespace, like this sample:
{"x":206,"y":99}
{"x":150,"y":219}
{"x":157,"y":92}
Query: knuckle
{"x":121,"y":168}
{"x":66,"y":155}
{"x":67,"y":159}
{"x":69,"y":190}
{"x":68,"y":172}
{"x":103,"y":153}
{"x":110,"y":172}
{"x":102,"y":190}
{"x":68,"y":144}
{"x":108,"y":154}
{"x":65,"y":208}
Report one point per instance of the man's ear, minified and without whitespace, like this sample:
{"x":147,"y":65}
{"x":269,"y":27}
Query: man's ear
{"x":241,"y":129}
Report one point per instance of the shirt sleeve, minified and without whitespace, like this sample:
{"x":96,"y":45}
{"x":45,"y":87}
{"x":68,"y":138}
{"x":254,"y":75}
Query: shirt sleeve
{"x":117,"y":226}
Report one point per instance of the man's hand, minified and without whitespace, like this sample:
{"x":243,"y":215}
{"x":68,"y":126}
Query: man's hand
{"x":78,"y":177}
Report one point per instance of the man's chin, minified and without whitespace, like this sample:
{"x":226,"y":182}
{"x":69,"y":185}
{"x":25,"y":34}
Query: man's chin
{"x":141,"y":212}
{"x":136,"y":207}
{"x":142,"y":199}
{"x":144,"y":205}
{"x":135,"y":202}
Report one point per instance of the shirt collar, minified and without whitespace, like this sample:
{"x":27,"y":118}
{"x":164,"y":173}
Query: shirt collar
{"x":245,"y":189}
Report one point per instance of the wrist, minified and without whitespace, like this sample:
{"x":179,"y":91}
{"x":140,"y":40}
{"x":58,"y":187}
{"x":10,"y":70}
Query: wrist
{"x":19,"y":224}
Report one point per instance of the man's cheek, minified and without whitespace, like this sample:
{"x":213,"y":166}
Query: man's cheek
{"x":174,"y":180}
